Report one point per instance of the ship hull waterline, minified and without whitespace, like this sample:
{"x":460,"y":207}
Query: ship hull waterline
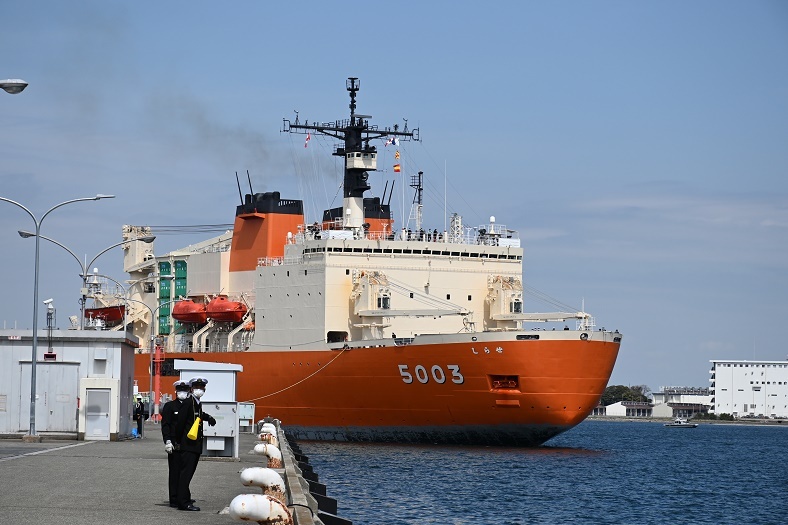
{"x":434,"y":393}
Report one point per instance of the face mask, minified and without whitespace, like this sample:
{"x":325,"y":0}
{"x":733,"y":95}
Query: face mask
{"x":198,"y":392}
{"x":182,"y":395}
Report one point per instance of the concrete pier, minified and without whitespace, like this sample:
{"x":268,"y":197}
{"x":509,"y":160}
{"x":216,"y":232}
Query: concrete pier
{"x":61,"y":480}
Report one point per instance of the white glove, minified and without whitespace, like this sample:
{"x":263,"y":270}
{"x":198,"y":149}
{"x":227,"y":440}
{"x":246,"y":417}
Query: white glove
{"x":168,"y":447}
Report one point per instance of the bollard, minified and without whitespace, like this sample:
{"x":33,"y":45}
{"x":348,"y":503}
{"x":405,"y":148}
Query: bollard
{"x":273,"y":453}
{"x":260,"y":508}
{"x":268,"y":480}
{"x":267,"y":437}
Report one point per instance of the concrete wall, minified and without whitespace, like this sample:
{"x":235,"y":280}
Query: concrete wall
{"x":78,"y":354}
{"x":662,"y":410}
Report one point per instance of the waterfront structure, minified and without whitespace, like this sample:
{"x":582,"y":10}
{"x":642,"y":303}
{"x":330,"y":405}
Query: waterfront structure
{"x":84,"y":384}
{"x":630,"y":409}
{"x":749,"y":388}
{"x":681,"y":401}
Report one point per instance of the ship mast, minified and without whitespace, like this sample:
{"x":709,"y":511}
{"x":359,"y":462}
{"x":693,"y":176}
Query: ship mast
{"x":417,"y":183}
{"x":360,"y":157}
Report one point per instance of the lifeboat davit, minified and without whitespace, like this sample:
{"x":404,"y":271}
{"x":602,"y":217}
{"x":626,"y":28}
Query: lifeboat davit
{"x":222,"y":309}
{"x":188,"y":311}
{"x":108,"y":314}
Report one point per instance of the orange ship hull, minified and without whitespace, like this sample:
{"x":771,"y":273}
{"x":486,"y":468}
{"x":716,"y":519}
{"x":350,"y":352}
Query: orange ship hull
{"x":518,"y":393}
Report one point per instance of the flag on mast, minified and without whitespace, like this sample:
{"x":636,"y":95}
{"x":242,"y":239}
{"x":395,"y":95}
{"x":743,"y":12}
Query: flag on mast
{"x":397,"y":168}
{"x":396,"y":155}
{"x":308,"y":138}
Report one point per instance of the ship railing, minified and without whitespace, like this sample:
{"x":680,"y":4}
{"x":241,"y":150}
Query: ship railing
{"x":313,"y":232}
{"x":270,"y":261}
{"x":279,"y":261}
{"x":493,"y":234}
{"x":487,"y":235}
{"x":216,"y":247}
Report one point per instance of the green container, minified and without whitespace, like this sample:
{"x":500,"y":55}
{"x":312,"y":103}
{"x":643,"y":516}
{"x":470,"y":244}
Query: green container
{"x":165,"y":307}
{"x":164,"y":289}
{"x":180,"y":287}
{"x":180,"y":269}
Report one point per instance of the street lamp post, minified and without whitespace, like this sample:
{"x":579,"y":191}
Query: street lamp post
{"x":154,"y":399}
{"x":146,"y":239}
{"x":129,"y":285}
{"x":32,"y":431}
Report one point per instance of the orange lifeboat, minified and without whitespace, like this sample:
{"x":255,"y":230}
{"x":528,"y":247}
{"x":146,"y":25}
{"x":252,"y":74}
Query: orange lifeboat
{"x":108,"y":314}
{"x":222,"y":309}
{"x":188,"y":311}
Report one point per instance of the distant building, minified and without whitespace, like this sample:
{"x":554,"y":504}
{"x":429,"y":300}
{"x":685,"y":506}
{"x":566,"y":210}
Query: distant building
{"x":629,"y":409}
{"x":681,"y":401}
{"x":749,"y":388}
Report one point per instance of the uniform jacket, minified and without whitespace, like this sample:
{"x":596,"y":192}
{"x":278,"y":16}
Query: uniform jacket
{"x":187,"y":413}
{"x":169,"y":415}
{"x":139,"y":411}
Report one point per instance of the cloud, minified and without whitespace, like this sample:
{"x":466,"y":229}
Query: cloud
{"x":683,"y":229}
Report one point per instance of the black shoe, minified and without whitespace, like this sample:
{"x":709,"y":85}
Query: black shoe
{"x":189,"y":507}
{"x":174,"y":505}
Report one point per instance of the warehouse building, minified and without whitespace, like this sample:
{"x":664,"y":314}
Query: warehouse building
{"x":749,"y":388}
{"x":83,"y":385}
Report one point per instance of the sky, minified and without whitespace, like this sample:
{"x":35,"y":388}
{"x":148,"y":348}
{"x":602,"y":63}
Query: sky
{"x":640,"y":149}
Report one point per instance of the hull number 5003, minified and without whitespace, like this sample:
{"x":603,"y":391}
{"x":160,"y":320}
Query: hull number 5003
{"x":436,"y":373}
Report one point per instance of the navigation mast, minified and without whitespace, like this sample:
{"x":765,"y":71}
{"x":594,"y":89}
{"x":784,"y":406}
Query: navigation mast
{"x":417,"y":183}
{"x":360,"y":157}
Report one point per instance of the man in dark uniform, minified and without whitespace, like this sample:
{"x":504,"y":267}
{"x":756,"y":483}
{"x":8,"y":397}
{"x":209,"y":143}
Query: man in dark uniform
{"x":169,"y":416}
{"x":190,"y":449}
{"x":139,"y":415}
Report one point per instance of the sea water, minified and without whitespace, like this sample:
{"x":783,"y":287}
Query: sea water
{"x":600,"y":472}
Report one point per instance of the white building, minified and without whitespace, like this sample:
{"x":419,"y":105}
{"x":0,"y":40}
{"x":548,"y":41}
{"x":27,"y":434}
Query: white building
{"x":84,"y":382}
{"x":681,"y":401}
{"x":749,"y":388}
{"x":629,"y":409}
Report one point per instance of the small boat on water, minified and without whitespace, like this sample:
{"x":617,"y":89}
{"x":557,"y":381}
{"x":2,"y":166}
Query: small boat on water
{"x":681,"y":422}
{"x":222,"y":309}
{"x":188,"y":311}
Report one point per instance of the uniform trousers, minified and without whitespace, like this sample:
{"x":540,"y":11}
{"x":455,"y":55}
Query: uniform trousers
{"x":188,"y":461}
{"x":174,"y":470}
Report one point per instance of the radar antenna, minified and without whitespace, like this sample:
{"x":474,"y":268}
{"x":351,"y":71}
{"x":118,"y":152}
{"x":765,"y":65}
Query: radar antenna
{"x":360,"y":157}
